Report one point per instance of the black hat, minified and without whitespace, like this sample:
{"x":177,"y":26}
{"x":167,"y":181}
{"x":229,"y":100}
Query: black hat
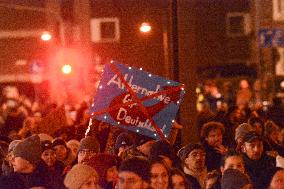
{"x":251,"y":136}
{"x":123,"y":139}
{"x":183,"y":153}
{"x":46,"y":145}
{"x":58,"y":141}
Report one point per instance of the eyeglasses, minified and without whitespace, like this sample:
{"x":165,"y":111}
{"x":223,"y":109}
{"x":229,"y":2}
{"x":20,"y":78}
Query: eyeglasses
{"x":129,"y":181}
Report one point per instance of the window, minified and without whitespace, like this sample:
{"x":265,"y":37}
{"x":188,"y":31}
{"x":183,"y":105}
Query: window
{"x":238,"y":24}
{"x":278,"y":10}
{"x":104,"y":30}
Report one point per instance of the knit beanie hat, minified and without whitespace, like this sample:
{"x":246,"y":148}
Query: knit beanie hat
{"x":123,"y":139}
{"x":242,"y":130}
{"x":73,"y":143}
{"x":251,"y":136}
{"x":12,"y":145}
{"x":234,"y":179}
{"x":46,"y":145}
{"x":138,"y":166}
{"x":44,"y":136}
{"x":183,"y":153}
{"x":101,"y":163}
{"x":78,"y":175}
{"x":29,"y":149}
{"x":89,"y":143}
{"x":58,"y":141}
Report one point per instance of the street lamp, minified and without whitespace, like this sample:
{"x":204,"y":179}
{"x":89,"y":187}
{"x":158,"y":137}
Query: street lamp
{"x":46,"y":36}
{"x":66,"y":69}
{"x":145,"y":27}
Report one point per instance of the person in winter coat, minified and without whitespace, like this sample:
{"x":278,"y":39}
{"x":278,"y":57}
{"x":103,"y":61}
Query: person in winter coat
{"x":27,"y":156}
{"x":258,"y":164}
{"x":54,"y":167}
{"x":193,"y":160}
{"x":212,"y":139}
{"x":63,"y":153}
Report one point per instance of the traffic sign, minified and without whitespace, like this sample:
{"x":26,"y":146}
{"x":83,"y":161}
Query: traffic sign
{"x":271,"y":38}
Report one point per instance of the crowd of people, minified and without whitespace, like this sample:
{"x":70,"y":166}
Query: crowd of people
{"x":240,"y":147}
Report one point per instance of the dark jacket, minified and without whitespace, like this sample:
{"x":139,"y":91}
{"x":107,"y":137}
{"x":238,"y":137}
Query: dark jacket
{"x":260,"y":171}
{"x":53,"y":176}
{"x":213,"y":158}
{"x":193,"y":182}
{"x":35,"y":179}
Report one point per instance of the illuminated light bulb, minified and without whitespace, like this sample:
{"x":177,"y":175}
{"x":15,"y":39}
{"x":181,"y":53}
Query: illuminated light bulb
{"x":145,"y":27}
{"x":46,"y":36}
{"x":66,"y":69}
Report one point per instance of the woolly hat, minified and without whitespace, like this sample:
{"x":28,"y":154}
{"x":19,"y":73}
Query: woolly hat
{"x":46,"y":145}
{"x":234,"y":179}
{"x":29,"y":149}
{"x":44,"y":137}
{"x":123,"y":139}
{"x":12,"y":145}
{"x":183,"y":153}
{"x":101,"y":163}
{"x":138,"y":166}
{"x":242,"y":130}
{"x":251,"y":136}
{"x":78,"y":175}
{"x":72,"y":143}
{"x":58,"y":141}
{"x":89,"y":143}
